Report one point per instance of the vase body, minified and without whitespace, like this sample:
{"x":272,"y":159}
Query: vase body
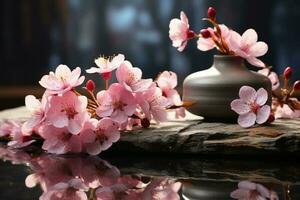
{"x":211,"y":91}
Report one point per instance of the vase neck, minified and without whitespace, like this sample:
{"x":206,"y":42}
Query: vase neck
{"x":228,"y":63}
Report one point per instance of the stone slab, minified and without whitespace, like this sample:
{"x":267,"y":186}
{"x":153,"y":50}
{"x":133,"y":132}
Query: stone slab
{"x":194,"y":136}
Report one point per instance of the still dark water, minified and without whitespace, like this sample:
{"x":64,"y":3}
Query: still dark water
{"x":32,"y":175}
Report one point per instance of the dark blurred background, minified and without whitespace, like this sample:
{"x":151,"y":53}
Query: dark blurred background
{"x":36,"y":36}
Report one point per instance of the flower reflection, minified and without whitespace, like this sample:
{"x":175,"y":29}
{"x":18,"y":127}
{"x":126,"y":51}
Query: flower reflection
{"x":82,"y":178}
{"x":253,"y":191}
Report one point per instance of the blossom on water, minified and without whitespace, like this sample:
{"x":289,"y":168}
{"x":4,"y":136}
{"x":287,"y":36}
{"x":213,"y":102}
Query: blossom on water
{"x":251,"y":106}
{"x":272,"y":76}
{"x":131,"y":78}
{"x":105,"y":132}
{"x":250,"y":190}
{"x":116,"y":103}
{"x":68,"y":110}
{"x":38,"y":110}
{"x":246,"y":46}
{"x":153,"y":104}
{"x":106,"y":65}
{"x":179,"y":31}
{"x":62,"y":81}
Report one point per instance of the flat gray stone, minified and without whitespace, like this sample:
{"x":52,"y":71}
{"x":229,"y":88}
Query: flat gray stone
{"x":193,"y":136}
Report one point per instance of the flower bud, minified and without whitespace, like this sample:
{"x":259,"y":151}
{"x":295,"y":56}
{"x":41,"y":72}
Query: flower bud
{"x":211,"y":13}
{"x":145,"y":123}
{"x":288,"y":73}
{"x":190,"y":34}
{"x":205,"y":33}
{"x":90,"y":85}
{"x":296,"y":85}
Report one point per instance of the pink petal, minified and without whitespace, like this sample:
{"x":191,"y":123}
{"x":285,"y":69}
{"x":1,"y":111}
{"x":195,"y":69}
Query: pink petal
{"x":258,"y":49}
{"x":94,"y":148}
{"x":173,"y":97}
{"x":117,"y":61}
{"x":274,"y":80}
{"x":263,"y":114}
{"x":184,"y":18}
{"x":256,"y":62}
{"x":182,"y":46}
{"x":247,"y":120}
{"x":62,"y":71}
{"x":262,"y":96}
{"x":247,"y":94}
{"x":240,"y":107}
{"x":60,"y":121}
{"x":265,"y":71}
{"x":93,"y":70}
{"x":74,"y":76}
{"x":167,"y":80}
{"x":74,"y":126}
{"x":31,"y":123}
{"x":142,"y":85}
{"x":234,"y":40}
{"x":32,"y":103}
{"x":119,"y":116}
{"x":205,"y":44}
{"x":249,"y":38}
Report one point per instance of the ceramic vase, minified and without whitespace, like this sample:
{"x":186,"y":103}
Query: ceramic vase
{"x":211,"y":91}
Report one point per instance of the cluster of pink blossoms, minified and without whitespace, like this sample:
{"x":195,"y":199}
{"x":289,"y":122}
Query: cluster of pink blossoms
{"x":226,"y":40}
{"x":68,"y":121}
{"x":251,"y":104}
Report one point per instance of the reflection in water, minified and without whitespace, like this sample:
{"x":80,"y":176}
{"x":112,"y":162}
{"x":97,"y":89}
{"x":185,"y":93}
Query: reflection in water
{"x":250,"y":190}
{"x":81,"y":178}
{"x":90,"y":177}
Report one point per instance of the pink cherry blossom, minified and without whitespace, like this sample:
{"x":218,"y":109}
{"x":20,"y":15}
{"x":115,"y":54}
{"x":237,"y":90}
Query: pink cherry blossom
{"x":19,"y":138}
{"x":251,"y":106}
{"x":250,"y":190}
{"x":285,"y":112}
{"x":246,"y":46}
{"x":130,"y":78}
{"x":116,"y":103}
{"x":272,"y":76}
{"x":62,"y":81}
{"x":167,"y":81}
{"x":68,"y":111}
{"x":179,"y":31}
{"x":206,"y":44}
{"x":105,"y":134}
{"x":153,"y":104}
{"x":59,"y":140}
{"x":38,"y":112}
{"x":106,"y":65}
{"x":71,"y":190}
